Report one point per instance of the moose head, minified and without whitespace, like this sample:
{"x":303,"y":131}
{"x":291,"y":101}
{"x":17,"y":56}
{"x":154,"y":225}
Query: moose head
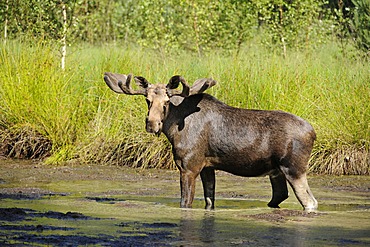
{"x":158,"y":96}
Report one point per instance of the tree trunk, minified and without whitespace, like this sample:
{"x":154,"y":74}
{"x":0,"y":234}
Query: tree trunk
{"x":6,"y":21}
{"x":281,"y":24}
{"x":64,"y":37}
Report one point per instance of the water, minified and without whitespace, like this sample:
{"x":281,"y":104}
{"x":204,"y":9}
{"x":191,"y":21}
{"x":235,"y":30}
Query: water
{"x":109,"y":206}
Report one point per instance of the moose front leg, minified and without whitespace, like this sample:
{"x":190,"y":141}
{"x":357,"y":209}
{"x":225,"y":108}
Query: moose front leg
{"x":187,"y":183}
{"x":209,"y":183}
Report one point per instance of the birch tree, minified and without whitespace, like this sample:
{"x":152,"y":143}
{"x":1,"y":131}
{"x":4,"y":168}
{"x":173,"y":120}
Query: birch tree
{"x":64,"y":36}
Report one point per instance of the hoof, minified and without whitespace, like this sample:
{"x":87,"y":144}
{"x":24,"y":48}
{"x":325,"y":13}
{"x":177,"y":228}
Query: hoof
{"x":272,"y":205}
{"x":311,"y":209}
{"x":209,"y":204}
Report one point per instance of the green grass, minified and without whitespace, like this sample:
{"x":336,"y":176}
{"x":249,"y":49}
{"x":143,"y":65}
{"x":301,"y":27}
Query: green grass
{"x":82,"y":120}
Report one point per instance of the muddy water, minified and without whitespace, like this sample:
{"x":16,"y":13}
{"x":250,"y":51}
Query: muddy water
{"x":109,"y":206}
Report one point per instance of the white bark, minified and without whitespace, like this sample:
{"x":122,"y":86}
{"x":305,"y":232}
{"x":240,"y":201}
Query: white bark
{"x":6,"y":21}
{"x":64,"y":37}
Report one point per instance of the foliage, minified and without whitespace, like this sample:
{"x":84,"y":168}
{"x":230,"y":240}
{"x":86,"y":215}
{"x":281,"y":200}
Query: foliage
{"x":294,"y":24}
{"x":35,"y":18}
{"x":361,"y":24}
{"x":165,"y":25}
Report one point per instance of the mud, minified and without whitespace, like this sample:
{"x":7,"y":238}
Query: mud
{"x":33,"y":234}
{"x":75,"y":205}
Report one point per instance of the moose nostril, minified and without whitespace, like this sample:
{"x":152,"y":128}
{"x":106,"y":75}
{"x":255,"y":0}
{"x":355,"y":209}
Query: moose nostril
{"x":153,"y":126}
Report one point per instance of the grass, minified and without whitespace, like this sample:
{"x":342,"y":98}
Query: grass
{"x":72,"y":115}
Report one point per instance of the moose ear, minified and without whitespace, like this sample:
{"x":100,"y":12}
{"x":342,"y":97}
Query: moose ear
{"x":202,"y":85}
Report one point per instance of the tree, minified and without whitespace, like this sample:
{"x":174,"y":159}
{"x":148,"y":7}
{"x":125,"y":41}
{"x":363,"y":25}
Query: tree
{"x":361,"y":24}
{"x":6,"y":21}
{"x":196,"y":25}
{"x":64,"y":35}
{"x":294,"y":24}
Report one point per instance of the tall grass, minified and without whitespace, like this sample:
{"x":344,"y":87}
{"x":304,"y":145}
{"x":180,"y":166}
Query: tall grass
{"x":83,"y":121}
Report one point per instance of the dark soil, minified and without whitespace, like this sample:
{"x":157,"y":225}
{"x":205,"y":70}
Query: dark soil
{"x":283,"y":215}
{"x":146,"y":234}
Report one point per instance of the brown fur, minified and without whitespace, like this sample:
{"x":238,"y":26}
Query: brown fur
{"x":208,"y":135}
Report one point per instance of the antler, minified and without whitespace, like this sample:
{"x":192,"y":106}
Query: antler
{"x":202,"y":85}
{"x":198,"y":87}
{"x":120,"y":83}
{"x":174,"y":83}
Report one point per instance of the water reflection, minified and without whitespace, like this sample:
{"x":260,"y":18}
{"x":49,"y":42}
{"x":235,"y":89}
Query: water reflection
{"x":208,"y":230}
{"x":195,"y":231}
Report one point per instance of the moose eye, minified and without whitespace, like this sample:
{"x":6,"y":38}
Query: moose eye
{"x":165,"y":106}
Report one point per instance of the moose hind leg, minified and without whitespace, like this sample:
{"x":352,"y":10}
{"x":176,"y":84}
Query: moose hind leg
{"x":279,"y":189}
{"x":303,"y":192}
{"x":294,"y":166}
{"x":209,"y":181}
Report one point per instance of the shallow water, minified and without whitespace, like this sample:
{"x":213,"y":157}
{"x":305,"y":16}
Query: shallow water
{"x":109,"y":206}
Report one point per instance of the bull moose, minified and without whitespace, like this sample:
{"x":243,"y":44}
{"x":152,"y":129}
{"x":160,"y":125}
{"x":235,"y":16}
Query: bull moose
{"x":208,"y":135}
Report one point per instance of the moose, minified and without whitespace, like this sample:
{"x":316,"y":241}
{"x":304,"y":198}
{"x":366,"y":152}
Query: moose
{"x":208,"y":135}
